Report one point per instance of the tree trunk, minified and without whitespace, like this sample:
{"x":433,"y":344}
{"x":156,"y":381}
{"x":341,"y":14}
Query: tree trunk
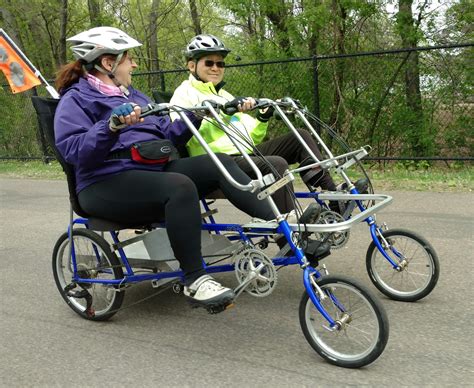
{"x":62,"y":32}
{"x":153,"y":45}
{"x":195,"y":17}
{"x":408,"y":34}
{"x":94,"y":13}
{"x":339,"y":31}
{"x":277,"y":14}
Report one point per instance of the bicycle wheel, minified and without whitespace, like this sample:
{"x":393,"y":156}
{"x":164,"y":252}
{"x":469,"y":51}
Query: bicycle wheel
{"x":363,"y":328}
{"x":94,"y":259}
{"x":419,"y":262}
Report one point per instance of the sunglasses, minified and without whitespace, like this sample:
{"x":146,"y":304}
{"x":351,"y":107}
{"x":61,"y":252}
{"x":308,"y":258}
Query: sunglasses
{"x":209,"y":63}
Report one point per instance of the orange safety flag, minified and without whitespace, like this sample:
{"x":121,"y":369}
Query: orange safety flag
{"x":20,"y":75}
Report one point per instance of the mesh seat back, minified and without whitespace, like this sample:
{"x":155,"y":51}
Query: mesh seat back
{"x":45,"y":109}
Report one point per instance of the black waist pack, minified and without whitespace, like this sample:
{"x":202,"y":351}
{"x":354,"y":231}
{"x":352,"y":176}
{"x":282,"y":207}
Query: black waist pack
{"x":152,"y":152}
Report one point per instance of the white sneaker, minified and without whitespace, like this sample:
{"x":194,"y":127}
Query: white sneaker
{"x":206,"y":292}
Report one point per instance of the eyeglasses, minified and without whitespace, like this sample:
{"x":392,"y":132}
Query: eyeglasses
{"x":209,"y":63}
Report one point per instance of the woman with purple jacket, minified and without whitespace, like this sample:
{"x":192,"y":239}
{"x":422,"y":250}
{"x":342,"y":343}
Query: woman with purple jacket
{"x":113,"y":180}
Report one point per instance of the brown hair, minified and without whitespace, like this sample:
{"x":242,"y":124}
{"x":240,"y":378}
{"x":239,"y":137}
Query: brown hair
{"x":69,"y":74}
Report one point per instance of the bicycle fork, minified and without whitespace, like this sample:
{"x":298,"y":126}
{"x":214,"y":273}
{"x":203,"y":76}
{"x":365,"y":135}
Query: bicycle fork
{"x":383,"y":245}
{"x":317,"y":295}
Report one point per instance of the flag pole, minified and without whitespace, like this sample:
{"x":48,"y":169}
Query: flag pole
{"x":49,"y":88}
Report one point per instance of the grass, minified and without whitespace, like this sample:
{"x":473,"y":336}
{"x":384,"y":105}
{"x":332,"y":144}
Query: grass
{"x":35,"y":169}
{"x":401,"y":176}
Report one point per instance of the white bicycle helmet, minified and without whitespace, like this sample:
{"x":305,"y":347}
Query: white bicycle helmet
{"x":91,"y":44}
{"x":202,"y":45}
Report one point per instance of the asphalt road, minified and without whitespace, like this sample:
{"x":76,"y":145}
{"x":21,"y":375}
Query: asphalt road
{"x":162,"y":342}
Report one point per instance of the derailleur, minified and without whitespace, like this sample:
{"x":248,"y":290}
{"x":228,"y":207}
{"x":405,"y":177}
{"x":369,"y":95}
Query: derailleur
{"x":83,"y":293}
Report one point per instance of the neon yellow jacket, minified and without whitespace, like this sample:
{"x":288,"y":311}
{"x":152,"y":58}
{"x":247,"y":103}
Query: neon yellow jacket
{"x":193,"y":92}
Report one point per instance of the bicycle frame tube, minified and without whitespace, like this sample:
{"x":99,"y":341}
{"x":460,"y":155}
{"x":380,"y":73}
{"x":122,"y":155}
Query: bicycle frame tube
{"x":308,"y":125}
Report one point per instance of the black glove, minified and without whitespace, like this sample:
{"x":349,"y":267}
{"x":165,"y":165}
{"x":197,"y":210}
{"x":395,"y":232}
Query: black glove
{"x":231,"y":107}
{"x":266,"y":114}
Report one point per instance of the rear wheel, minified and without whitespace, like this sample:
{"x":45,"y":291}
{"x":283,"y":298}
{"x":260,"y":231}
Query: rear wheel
{"x":94,"y":260}
{"x":418,"y":261}
{"x":362,"y":329}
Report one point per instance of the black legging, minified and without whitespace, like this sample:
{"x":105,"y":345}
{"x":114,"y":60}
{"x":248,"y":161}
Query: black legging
{"x":289,"y":148}
{"x":282,"y":197}
{"x":139,"y":196}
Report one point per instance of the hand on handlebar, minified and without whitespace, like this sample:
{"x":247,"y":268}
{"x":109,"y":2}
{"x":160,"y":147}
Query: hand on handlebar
{"x":239,"y":104}
{"x":124,"y":115}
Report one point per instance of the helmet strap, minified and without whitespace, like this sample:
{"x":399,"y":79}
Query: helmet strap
{"x":194,"y":73}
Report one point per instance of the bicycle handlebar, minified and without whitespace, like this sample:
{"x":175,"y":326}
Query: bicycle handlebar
{"x":228,"y":108}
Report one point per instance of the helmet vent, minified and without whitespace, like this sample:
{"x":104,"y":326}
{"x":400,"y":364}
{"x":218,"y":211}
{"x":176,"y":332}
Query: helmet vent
{"x":119,"y":41}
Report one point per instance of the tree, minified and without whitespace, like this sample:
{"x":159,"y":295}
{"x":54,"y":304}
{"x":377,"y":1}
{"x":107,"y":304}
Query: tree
{"x":62,"y":32}
{"x":196,"y":19}
{"x":94,"y":13}
{"x":408,"y":28}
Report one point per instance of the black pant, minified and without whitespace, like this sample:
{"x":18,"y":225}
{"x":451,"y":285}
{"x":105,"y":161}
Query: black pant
{"x":281,"y":197}
{"x":139,"y":196}
{"x":280,"y":152}
{"x":289,"y":148}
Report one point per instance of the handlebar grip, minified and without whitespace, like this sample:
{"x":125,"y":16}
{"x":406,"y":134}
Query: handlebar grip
{"x":230,"y":107}
{"x":146,"y":110}
{"x":229,"y":110}
{"x":154,"y":109}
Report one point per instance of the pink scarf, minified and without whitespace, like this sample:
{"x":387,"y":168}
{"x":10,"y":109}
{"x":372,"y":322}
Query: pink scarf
{"x":109,"y":90}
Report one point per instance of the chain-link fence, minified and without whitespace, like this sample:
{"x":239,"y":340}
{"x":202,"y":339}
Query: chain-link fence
{"x":404,"y":103}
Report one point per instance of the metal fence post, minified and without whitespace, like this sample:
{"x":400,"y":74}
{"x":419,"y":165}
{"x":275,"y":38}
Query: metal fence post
{"x":162,"y":81}
{"x":316,"y":106}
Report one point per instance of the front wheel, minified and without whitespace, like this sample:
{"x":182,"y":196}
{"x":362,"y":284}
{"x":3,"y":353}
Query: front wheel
{"x":362,"y":327}
{"x":419,"y":266}
{"x":96,"y":301}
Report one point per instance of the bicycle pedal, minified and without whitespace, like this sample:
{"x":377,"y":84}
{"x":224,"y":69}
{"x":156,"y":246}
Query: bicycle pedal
{"x":219,"y":308}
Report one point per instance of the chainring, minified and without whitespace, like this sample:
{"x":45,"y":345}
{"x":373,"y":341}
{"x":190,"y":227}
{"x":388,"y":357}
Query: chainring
{"x":254,"y":263}
{"x":336,"y":239}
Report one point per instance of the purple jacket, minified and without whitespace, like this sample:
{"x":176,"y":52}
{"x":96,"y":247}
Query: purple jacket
{"x":84,"y":139}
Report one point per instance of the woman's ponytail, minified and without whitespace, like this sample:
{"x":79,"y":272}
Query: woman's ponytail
{"x":69,"y":74}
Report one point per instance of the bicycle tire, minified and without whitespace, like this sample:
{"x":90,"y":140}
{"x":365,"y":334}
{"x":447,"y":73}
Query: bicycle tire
{"x":94,"y":259}
{"x":407,"y":285}
{"x":366,"y":309}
